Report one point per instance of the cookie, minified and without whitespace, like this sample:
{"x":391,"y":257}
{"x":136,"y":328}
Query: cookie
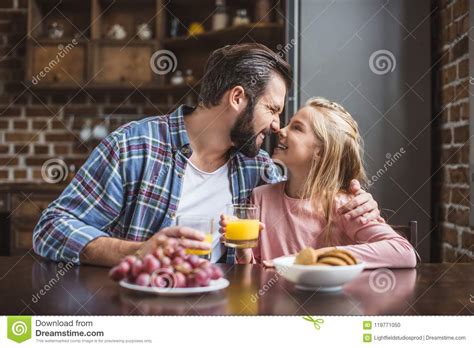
{"x":332,"y":261}
{"x":307,"y":256}
{"x":343,"y":255}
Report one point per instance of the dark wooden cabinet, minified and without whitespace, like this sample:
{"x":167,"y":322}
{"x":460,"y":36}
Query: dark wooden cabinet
{"x":20,"y":209}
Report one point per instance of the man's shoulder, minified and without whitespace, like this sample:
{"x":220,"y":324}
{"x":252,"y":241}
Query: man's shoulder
{"x":261,"y":159}
{"x":149,"y":130}
{"x":268,"y":171}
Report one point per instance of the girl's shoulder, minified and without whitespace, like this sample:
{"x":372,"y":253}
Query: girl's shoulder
{"x":268,"y":191}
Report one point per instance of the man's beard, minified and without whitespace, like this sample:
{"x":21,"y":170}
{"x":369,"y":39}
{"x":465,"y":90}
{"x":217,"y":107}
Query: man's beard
{"x":243,"y":134}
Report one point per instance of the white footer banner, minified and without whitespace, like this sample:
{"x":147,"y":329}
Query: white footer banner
{"x":236,"y":331}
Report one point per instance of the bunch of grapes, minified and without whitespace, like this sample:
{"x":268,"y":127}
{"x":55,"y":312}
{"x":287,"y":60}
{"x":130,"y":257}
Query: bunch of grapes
{"x":167,"y":267}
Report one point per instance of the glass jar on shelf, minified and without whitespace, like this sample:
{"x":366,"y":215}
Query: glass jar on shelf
{"x":241,"y":17}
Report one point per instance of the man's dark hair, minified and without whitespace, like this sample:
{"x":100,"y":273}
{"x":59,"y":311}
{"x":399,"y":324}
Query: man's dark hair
{"x":249,"y":65}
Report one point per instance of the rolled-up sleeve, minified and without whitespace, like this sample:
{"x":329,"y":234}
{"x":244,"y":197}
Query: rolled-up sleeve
{"x":89,"y":205}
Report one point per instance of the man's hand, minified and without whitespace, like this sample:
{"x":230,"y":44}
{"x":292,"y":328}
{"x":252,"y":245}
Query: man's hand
{"x":185,"y":236}
{"x":362,"y":206}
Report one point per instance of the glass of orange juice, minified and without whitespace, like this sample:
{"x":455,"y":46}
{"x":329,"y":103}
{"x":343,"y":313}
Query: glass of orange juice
{"x":242,"y":226}
{"x":203,"y":224}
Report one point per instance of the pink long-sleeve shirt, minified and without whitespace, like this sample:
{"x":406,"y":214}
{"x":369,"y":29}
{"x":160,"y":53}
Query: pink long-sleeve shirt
{"x":291,"y":225}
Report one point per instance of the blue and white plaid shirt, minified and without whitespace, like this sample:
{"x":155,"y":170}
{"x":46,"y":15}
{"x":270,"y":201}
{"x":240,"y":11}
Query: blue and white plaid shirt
{"x":129,"y":187}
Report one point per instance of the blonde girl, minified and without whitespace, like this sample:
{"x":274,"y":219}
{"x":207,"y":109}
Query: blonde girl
{"x":322,"y":150}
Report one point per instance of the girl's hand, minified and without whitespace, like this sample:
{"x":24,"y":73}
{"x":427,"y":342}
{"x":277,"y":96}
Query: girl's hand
{"x":223,"y":225}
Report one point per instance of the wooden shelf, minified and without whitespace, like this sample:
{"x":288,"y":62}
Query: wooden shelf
{"x":156,"y":87}
{"x":256,"y":31}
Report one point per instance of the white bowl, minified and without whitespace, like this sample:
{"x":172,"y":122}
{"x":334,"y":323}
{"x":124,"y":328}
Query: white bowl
{"x":316,"y":278}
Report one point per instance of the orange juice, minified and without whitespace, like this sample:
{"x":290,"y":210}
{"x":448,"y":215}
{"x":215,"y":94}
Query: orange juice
{"x":242,"y":233}
{"x":207,"y":238}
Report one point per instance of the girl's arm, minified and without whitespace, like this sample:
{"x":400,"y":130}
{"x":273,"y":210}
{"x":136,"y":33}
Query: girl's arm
{"x":378,"y":245}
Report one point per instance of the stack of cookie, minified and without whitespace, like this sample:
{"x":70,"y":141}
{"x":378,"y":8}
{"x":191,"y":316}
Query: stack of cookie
{"x":335,"y":257}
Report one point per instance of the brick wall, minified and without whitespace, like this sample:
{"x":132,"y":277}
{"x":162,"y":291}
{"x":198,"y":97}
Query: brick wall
{"x":38,"y":126}
{"x":455,"y":238}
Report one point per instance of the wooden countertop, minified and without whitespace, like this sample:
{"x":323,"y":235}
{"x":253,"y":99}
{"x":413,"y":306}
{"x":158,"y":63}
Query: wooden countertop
{"x":430,"y":289}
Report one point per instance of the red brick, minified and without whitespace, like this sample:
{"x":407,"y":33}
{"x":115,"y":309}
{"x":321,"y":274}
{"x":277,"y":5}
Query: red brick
{"x":8,"y":161}
{"x":39,"y":124}
{"x":468,"y":240}
{"x":462,"y":90}
{"x":458,"y":217}
{"x":460,"y":8}
{"x":40,"y":149}
{"x":447,"y":94}
{"x":65,"y":137}
{"x":19,"y":174}
{"x":20,"y":124}
{"x":21,"y":149}
{"x":461,"y":134}
{"x":460,"y":196}
{"x":451,"y":155}
{"x":461,"y":47}
{"x":446,"y":136}
{"x":449,"y":235}
{"x":41,"y":110}
{"x":459,"y":175}
{"x":4,"y":149}
{"x":463,"y":68}
{"x":3,"y":174}
{"x":449,"y":74}
{"x":10,"y":111}
{"x":80,"y":111}
{"x":21,"y":137}
{"x":57,"y":125}
{"x":449,"y":254}
{"x":36,"y":161}
{"x":464,"y":111}
{"x":61,"y":149}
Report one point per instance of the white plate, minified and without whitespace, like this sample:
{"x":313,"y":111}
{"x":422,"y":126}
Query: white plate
{"x":214,"y":285}
{"x":316,"y":278}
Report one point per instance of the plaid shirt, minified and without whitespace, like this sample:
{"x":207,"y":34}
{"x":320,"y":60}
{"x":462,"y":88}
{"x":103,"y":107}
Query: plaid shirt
{"x":130,"y":187}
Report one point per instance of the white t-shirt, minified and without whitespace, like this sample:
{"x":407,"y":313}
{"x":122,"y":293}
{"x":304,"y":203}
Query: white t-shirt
{"x":206,"y":194}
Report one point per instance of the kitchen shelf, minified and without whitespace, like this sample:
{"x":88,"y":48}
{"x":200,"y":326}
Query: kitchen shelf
{"x":256,"y":31}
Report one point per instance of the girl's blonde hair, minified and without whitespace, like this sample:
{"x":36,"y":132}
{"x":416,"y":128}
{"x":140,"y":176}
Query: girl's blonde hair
{"x":339,"y":157}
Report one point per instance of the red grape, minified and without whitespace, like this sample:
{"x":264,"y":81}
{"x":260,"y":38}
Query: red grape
{"x":216,"y":272}
{"x":150,"y":263}
{"x":130,"y":259}
{"x":165,"y":261}
{"x":143,"y":279}
{"x":168,"y":266}
{"x":184,"y":267}
{"x":116,"y":273}
{"x":180,"y":280}
{"x":177,"y":261}
{"x":202,"y":278}
{"x":137,"y":268}
{"x":194,"y":260}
